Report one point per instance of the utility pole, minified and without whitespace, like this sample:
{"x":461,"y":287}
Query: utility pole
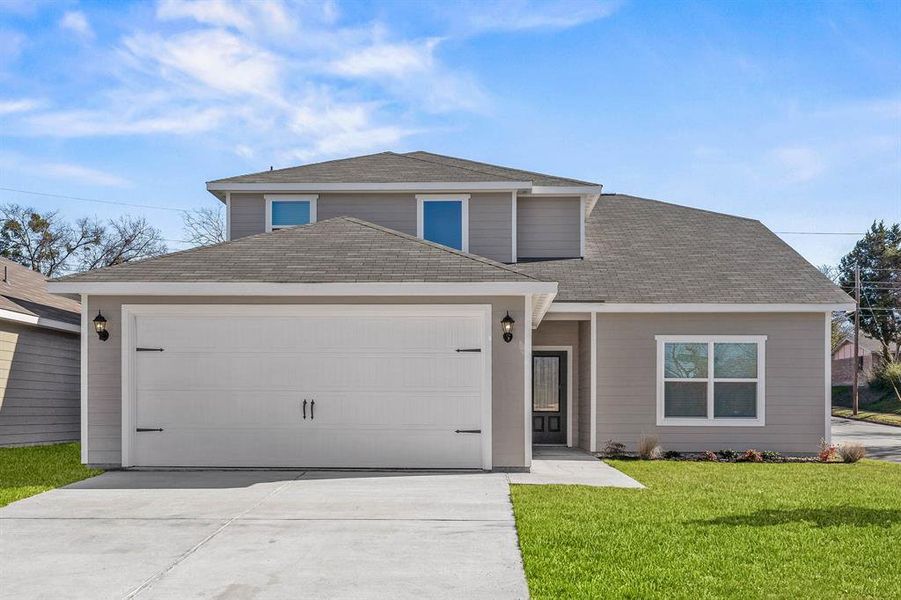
{"x":855,"y":400}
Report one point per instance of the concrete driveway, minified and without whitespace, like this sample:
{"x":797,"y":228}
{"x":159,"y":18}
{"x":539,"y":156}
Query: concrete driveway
{"x":242,"y":535}
{"x":881,"y":441}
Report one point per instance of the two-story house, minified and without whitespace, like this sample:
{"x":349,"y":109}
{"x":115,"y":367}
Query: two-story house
{"x":419,"y":310}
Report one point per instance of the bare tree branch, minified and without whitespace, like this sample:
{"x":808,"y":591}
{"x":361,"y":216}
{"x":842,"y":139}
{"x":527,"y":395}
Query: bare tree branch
{"x":205,"y":226}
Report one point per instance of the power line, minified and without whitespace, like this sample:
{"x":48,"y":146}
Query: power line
{"x":180,"y":210}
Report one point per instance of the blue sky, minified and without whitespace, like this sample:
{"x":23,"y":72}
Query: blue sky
{"x":788,"y":112}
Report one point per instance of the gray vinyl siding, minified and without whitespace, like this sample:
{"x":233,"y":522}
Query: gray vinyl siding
{"x":585,"y":384}
{"x":795,"y":380}
{"x":39,"y":385}
{"x":394,"y":211}
{"x":105,"y":375}
{"x":548,"y":227}
{"x":248,"y":215}
{"x":491,"y":226}
{"x":566,"y":333}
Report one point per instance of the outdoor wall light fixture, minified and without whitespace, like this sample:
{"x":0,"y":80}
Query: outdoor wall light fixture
{"x":507,"y":326}
{"x":100,"y":327}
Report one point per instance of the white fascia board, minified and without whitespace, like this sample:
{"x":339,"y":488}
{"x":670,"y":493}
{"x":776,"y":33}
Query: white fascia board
{"x":422,"y":186}
{"x":9,"y":315}
{"x":540,"y":305}
{"x":302,"y":289}
{"x":565,"y":190}
{"x":581,"y":307}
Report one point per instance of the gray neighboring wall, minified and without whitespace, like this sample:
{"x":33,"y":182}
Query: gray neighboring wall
{"x":248,"y":215}
{"x":395,"y":211}
{"x":104,"y":445}
{"x":39,"y":385}
{"x":548,"y":227}
{"x":796,"y":411}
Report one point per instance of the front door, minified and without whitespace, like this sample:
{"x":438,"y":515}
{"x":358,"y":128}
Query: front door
{"x":549,"y":397}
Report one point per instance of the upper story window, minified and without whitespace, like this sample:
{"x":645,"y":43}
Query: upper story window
{"x":443,"y":219}
{"x":710,"y":380}
{"x":289,"y":211}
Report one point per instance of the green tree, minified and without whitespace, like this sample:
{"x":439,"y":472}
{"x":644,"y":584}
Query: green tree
{"x":52,"y":246}
{"x":878,"y":255}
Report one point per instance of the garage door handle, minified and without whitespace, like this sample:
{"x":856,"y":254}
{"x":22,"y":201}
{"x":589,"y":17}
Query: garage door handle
{"x":467,"y":431}
{"x":312,"y":404}
{"x":304,"y":409}
{"x":139,"y":429}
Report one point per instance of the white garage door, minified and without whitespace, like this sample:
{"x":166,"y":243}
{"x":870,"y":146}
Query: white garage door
{"x":282,"y":386}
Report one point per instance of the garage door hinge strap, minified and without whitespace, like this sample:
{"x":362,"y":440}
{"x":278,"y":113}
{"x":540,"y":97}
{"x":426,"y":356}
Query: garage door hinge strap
{"x":139,"y":429}
{"x":467,"y":431}
{"x":469,"y":349}
{"x":148,"y":349}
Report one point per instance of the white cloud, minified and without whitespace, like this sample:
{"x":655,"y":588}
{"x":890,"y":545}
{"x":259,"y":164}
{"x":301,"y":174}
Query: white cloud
{"x":209,"y":12}
{"x":19,"y":105}
{"x":214,"y":58}
{"x":70,"y":172}
{"x":800,"y":164}
{"x":76,"y":22}
{"x":89,"y":123}
{"x":518,"y":15}
{"x":387,"y":60}
{"x":11,"y":45}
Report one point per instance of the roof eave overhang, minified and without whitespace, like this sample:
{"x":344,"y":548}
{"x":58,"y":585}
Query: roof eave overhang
{"x":36,"y":321}
{"x":612,"y":307}
{"x":218,"y":188}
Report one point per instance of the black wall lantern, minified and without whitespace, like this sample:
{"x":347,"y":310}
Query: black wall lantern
{"x":100,"y":327}
{"x":507,"y":325}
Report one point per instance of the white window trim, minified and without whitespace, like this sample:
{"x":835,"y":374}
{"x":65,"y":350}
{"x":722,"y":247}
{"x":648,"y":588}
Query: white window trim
{"x":311,"y":198}
{"x":710,"y":421}
{"x":569,"y":386}
{"x":464,"y":213}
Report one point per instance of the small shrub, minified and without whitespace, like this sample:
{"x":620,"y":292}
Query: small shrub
{"x":887,"y":375}
{"x":614,"y":449}
{"x":826,"y":452}
{"x":671,"y":454}
{"x":728,"y":454}
{"x":774,"y":457}
{"x":710,"y":455}
{"x":751,"y":455}
{"x":648,"y":449}
{"x":851,"y":452}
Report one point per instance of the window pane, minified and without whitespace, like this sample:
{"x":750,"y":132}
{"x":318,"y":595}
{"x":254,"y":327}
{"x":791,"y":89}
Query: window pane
{"x":546,"y":386}
{"x":688,"y":361}
{"x":442,"y":222}
{"x":736,"y":361}
{"x":684,"y":399}
{"x":288,"y":214}
{"x":735,"y":400}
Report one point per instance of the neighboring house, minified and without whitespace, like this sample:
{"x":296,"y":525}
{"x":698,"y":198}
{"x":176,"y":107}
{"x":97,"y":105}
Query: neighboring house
{"x":39,"y":360}
{"x":869,"y":353}
{"x":357,"y":318}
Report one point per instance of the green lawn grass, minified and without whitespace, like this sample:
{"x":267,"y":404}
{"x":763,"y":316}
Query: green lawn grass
{"x":31,"y":470}
{"x":714,"y":530}
{"x":876,"y":405}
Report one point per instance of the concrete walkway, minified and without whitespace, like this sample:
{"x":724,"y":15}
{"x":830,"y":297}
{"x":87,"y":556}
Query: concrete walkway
{"x":571,"y":466}
{"x":241,"y":534}
{"x":881,"y":441}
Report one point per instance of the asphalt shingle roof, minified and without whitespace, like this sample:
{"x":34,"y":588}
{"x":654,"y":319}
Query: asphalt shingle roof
{"x":338,"y":250}
{"x":390,"y":167}
{"x":646,"y":251}
{"x":25,"y":292}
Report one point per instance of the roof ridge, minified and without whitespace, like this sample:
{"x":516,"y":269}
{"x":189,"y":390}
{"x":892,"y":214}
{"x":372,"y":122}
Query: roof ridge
{"x":682,"y":206}
{"x":321,"y":162}
{"x":582,"y":181}
{"x":432,"y":162}
{"x":423,"y":242}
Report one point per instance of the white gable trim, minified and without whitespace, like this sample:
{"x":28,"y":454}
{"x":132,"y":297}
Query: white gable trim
{"x":421,"y":186}
{"x":9,"y":315}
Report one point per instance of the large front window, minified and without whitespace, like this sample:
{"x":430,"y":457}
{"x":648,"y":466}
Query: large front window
{"x":444,"y":219}
{"x":289,"y":211}
{"x":710,"y":380}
